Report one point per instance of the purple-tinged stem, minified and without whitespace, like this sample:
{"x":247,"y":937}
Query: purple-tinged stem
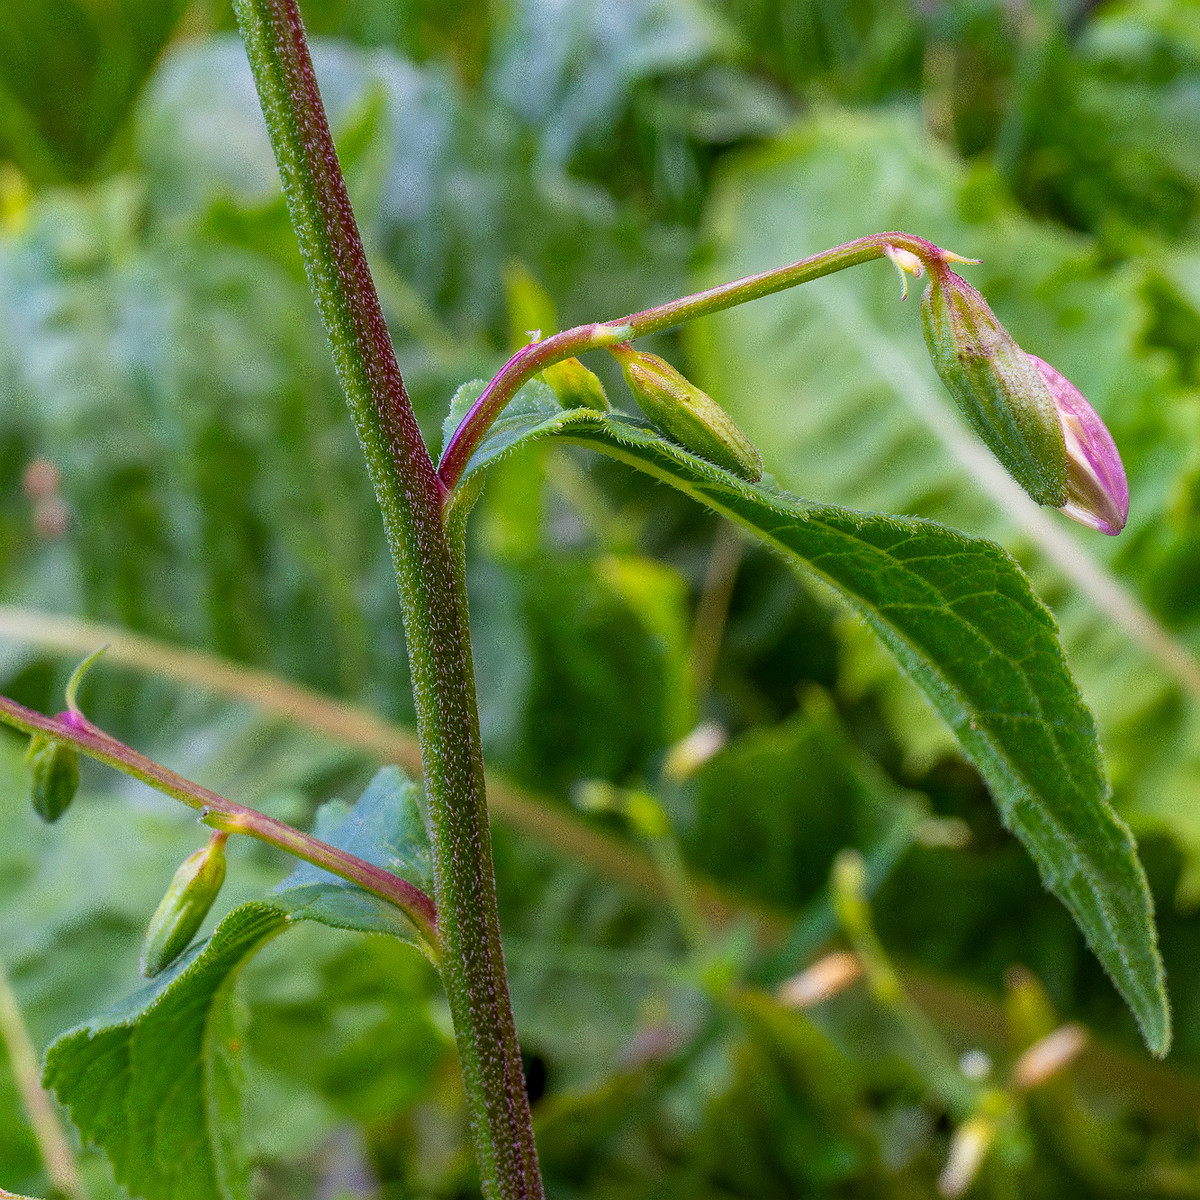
{"x":432,"y":598}
{"x":528,"y":361}
{"x":72,"y":727}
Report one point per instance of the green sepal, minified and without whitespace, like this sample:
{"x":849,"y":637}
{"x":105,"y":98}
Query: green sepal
{"x":996,"y":386}
{"x":53,"y":776}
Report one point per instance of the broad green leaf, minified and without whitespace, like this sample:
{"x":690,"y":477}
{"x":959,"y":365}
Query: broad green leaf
{"x":70,"y":48}
{"x":609,"y":653}
{"x":658,"y":595}
{"x":448,"y":184}
{"x":960,"y":618}
{"x":155,"y":1081}
{"x":775,"y":806}
{"x":570,"y":71}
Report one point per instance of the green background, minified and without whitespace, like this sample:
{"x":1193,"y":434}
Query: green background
{"x":531,"y":165}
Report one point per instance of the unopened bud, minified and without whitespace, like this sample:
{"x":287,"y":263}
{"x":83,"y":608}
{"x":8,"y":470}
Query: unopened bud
{"x":823,"y":980}
{"x":998,"y":387}
{"x":1027,"y":1006}
{"x":690,"y":753}
{"x":646,"y":816}
{"x":686,"y":414}
{"x":1049,"y":1055}
{"x":51,"y":517}
{"x":969,"y":1145}
{"x":849,"y":876}
{"x":184,"y":907}
{"x":1097,"y":491}
{"x":575,"y":386}
{"x":40,"y":479}
{"x":53,"y":776}
{"x":975,"y":1064}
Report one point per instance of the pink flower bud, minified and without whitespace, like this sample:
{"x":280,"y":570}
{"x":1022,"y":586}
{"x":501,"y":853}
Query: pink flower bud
{"x":1097,"y":492}
{"x":995,"y":384}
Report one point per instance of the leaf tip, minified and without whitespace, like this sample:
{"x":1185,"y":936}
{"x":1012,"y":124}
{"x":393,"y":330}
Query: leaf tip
{"x":1155,"y":1026}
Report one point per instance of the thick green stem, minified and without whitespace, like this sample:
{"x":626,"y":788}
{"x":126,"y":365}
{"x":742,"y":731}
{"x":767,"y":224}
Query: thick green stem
{"x":528,"y":361}
{"x":435,"y":618}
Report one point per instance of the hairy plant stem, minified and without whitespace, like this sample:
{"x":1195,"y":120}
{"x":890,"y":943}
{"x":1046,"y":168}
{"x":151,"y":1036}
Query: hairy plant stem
{"x":535,"y":357}
{"x":411,"y":497}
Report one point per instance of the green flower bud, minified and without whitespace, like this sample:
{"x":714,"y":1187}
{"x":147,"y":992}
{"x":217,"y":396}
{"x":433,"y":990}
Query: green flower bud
{"x":184,"y":907}
{"x":576,"y":386}
{"x":686,"y":414}
{"x":996,"y":385}
{"x":53,"y":776}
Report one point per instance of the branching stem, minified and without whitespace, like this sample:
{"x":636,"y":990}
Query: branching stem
{"x":220,"y":813}
{"x":529,"y":360}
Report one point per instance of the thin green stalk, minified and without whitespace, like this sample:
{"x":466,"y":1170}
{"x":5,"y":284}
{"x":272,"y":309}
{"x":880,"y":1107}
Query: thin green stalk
{"x":53,"y":1146}
{"x":528,"y":361}
{"x":926,"y":1045}
{"x":677,"y":884}
{"x":410,"y":495}
{"x":219,"y":813}
{"x":708,"y":626}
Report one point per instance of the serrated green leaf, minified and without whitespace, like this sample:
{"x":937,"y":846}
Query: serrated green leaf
{"x":155,"y":1081}
{"x":960,"y":618}
{"x":834,"y":382}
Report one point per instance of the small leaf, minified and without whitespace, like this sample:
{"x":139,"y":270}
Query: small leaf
{"x":960,"y":618}
{"x":516,"y":424}
{"x":385,"y":827}
{"x":78,"y":676}
{"x":155,"y":1081}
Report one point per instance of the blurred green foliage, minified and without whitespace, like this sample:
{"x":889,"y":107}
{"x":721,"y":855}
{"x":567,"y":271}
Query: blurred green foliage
{"x":159,"y":348}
